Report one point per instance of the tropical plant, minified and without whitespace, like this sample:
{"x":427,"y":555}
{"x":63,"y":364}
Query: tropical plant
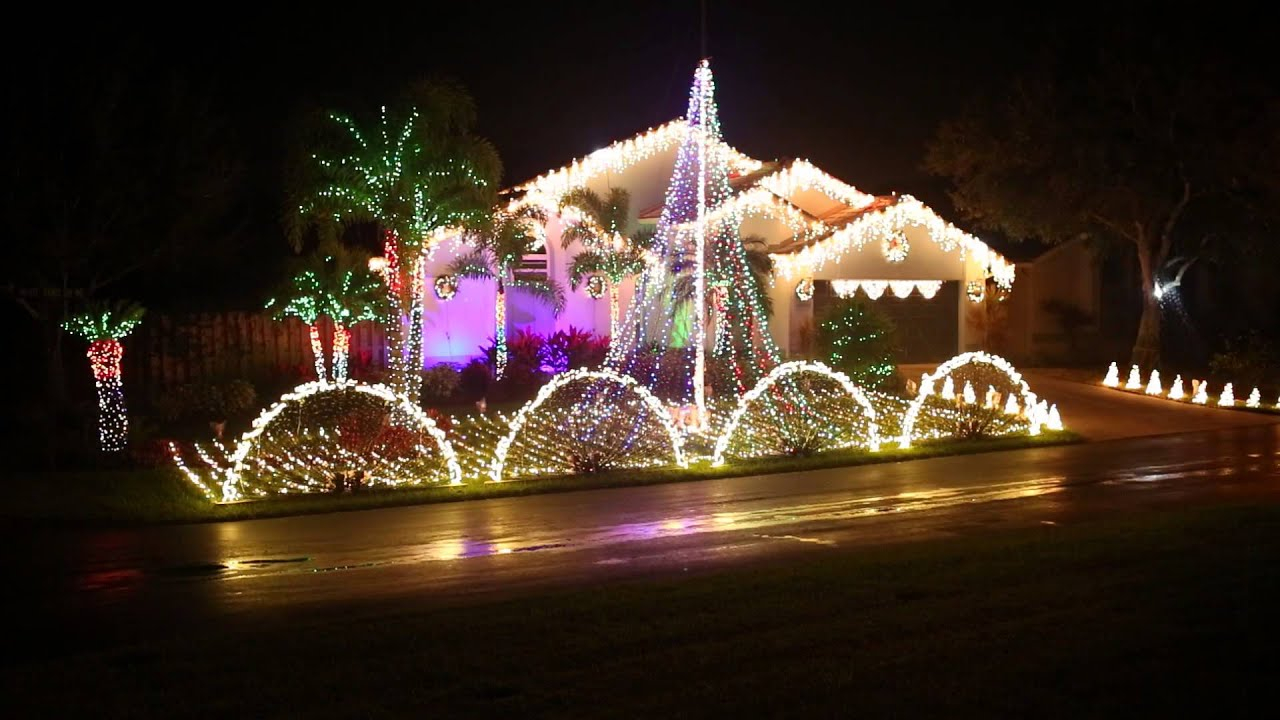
{"x":307,"y":299}
{"x":103,"y":325}
{"x":499,"y":247}
{"x":607,"y":253}
{"x":414,"y":172}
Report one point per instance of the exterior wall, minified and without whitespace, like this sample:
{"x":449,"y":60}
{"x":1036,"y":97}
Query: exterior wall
{"x":1066,"y":274}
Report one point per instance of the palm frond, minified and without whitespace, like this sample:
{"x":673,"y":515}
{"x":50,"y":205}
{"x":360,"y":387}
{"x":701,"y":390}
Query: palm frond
{"x":476,"y":265}
{"x":105,"y":321}
{"x":547,"y":291}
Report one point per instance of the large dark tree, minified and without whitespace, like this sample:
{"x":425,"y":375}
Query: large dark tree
{"x":1135,"y":139}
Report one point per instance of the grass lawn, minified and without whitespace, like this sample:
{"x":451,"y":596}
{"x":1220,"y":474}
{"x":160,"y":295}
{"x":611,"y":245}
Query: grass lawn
{"x":164,"y":496}
{"x":1160,"y":612}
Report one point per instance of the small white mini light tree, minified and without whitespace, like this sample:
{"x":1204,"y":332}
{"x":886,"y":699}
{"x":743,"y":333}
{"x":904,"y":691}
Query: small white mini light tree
{"x":1228,"y":398}
{"x":1153,"y":386}
{"x":1176,"y":392}
{"x":1113,"y":377}
{"x":1135,"y":379}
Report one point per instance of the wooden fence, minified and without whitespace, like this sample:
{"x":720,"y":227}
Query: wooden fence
{"x":167,"y":351}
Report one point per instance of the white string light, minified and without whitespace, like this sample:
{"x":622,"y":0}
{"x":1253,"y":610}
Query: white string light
{"x":1036,"y":417}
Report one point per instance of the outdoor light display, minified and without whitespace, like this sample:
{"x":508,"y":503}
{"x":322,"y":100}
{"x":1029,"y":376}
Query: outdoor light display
{"x":1202,"y":393}
{"x":446,"y":287}
{"x":968,"y":396}
{"x":975,"y":290}
{"x":1034,"y":415}
{"x":103,"y":326}
{"x":1011,"y":405}
{"x":1176,"y":392}
{"x":307,"y":302}
{"x":1153,"y":385}
{"x":346,"y":297}
{"x":1228,"y":397}
{"x":814,"y":419}
{"x":695,"y":242}
{"x":596,"y":287}
{"x":895,"y":248}
{"x":804,"y":290}
{"x":1254,"y":400}
{"x":302,"y":454}
{"x":1135,"y":379}
{"x":608,"y":420}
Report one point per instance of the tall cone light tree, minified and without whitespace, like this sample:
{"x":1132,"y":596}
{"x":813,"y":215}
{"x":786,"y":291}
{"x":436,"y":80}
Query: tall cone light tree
{"x":415,"y":172}
{"x":697,"y":246}
{"x":103,"y":326}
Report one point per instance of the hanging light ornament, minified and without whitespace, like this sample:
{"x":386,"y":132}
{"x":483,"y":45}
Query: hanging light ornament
{"x":844,"y":288}
{"x":895,"y":248}
{"x":446,"y":287}
{"x":596,"y":287}
{"x":902,"y":288}
{"x":928,"y":288}
{"x":874,"y":288}
{"x":976,"y":291}
{"x":804,"y":289}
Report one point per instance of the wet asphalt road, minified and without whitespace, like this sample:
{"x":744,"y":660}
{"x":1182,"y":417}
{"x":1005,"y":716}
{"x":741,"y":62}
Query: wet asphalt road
{"x":102,"y":587}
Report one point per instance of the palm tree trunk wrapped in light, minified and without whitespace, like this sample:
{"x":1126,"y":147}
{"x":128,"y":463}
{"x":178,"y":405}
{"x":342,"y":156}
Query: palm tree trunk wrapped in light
{"x":103,"y":326}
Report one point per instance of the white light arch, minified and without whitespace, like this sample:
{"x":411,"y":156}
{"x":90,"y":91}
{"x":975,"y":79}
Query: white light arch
{"x":230,"y":486}
{"x":977,"y":357}
{"x":625,"y":381}
{"x":792,"y":368}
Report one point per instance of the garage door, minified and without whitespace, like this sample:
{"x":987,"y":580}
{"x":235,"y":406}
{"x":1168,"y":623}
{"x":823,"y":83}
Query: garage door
{"x":926,"y":330}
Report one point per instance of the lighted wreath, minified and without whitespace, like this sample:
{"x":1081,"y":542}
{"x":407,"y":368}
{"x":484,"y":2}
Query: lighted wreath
{"x":976,"y":290}
{"x":596,"y":287}
{"x":895,"y":248}
{"x":446,"y":287}
{"x":804,"y":289}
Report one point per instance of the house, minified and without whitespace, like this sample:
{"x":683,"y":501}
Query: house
{"x":827,"y":238}
{"x":1056,"y":313}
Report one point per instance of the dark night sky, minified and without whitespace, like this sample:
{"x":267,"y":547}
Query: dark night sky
{"x":858,"y":91}
{"x":858,"y":88}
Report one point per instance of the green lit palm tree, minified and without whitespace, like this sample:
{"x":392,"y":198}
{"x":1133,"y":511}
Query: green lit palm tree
{"x":308,"y":299}
{"x":103,"y":325}
{"x":499,"y":247}
{"x":415,"y":172}
{"x":607,"y":253}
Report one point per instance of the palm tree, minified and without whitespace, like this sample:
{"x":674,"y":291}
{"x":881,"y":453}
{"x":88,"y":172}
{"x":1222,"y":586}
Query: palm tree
{"x":103,"y":325}
{"x":414,"y":172}
{"x":307,"y":299}
{"x":759,"y":263}
{"x":357,"y":296}
{"x":607,"y":253}
{"x":500,"y":245}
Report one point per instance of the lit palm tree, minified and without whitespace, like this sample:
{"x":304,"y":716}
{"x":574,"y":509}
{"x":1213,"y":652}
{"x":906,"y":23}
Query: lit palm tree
{"x":415,"y":172}
{"x":306,"y":299}
{"x":759,"y":263}
{"x":103,"y":325}
{"x":607,"y":253}
{"x":358,"y":296}
{"x":499,"y":247}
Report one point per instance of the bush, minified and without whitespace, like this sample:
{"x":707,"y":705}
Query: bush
{"x":440,"y":382}
{"x":474,"y":380}
{"x":857,"y":340}
{"x":573,"y":348}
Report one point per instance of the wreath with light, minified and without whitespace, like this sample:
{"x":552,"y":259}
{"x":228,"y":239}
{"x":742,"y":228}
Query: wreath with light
{"x":804,"y":290}
{"x":596,"y":287}
{"x":446,"y":287}
{"x":976,"y":290}
{"x":895,"y":248}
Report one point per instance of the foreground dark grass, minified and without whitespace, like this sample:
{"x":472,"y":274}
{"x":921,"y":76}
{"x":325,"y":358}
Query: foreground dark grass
{"x":164,"y":496}
{"x":1159,"y":612}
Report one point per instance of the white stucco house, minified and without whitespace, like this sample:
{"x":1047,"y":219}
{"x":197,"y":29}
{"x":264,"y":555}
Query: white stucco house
{"x":826,"y":237}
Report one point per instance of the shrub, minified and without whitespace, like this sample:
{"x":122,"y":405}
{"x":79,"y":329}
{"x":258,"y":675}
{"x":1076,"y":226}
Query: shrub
{"x":208,"y":401}
{"x":440,"y":382}
{"x":474,"y":380}
{"x":857,"y":340}
{"x":573,"y":348}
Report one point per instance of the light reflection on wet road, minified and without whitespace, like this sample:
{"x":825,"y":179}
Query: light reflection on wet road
{"x":442,"y":554}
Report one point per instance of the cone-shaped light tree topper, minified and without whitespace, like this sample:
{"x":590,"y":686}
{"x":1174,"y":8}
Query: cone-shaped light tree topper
{"x":665,"y":333}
